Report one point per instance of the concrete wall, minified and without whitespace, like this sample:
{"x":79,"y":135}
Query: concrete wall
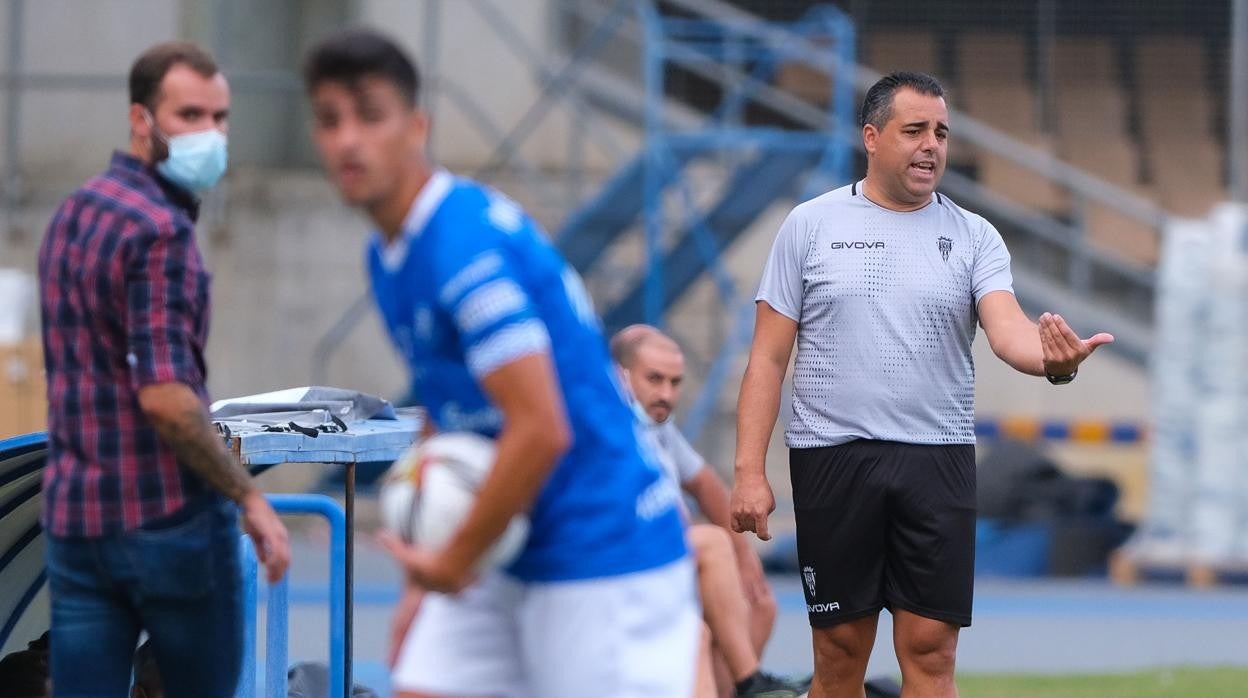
{"x":64,"y":130}
{"x":287,"y":262}
{"x":4,"y":96}
{"x":65,"y":133}
{"x":470,"y":55}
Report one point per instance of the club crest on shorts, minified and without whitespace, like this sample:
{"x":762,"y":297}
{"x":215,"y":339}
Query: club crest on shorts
{"x":808,"y":573}
{"x":945,"y":245}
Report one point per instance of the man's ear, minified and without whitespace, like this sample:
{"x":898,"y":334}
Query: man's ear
{"x":140,"y":122}
{"x":870,"y":138}
{"x":625,"y":380}
{"x":418,"y":129}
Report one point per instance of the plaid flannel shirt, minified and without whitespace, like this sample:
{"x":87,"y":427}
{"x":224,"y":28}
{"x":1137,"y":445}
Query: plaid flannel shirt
{"x":125,"y":304}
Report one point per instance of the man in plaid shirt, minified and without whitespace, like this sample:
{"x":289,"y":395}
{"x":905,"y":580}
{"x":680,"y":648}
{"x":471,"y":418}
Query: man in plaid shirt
{"x":141,"y":497}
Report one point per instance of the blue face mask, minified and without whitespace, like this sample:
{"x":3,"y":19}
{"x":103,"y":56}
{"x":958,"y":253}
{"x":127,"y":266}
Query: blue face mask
{"x":196,"y":160}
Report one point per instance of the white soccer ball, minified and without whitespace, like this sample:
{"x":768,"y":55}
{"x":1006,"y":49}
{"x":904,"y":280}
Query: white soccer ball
{"x":429,"y":490}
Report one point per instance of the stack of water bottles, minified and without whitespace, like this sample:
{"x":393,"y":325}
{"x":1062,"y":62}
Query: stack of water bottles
{"x":1198,"y":498}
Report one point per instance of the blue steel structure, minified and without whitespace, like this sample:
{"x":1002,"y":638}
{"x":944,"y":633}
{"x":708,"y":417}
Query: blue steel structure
{"x":779,"y":155}
{"x":771,"y":162}
{"x":276,"y":628}
{"x":771,"y":158}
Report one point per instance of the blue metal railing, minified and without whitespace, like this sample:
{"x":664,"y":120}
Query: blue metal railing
{"x":775,"y":159}
{"x":276,"y":608}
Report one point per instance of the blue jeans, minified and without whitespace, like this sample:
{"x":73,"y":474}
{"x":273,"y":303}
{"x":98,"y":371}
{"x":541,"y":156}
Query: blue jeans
{"x":178,"y":579}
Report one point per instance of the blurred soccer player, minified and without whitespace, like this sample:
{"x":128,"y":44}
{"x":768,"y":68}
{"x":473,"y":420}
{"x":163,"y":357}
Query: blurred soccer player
{"x":501,"y":339}
{"x":881,"y":284}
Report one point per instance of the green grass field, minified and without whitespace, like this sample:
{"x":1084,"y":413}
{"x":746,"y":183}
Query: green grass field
{"x":1166,"y":683}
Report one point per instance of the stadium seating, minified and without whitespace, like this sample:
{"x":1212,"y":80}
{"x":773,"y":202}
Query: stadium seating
{"x":887,"y":51}
{"x":1135,"y":111}
{"x":1020,"y":184}
{"x":991,"y":58}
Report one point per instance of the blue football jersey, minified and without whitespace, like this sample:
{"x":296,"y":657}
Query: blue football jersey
{"x":471,"y":285}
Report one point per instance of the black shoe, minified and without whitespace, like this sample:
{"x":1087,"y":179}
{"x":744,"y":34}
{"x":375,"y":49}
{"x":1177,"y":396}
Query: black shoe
{"x":764,"y":685}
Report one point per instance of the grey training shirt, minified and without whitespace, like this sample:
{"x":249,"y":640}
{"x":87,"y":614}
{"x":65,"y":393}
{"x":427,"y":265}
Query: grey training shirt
{"x":885,"y":303}
{"x":680,"y":459}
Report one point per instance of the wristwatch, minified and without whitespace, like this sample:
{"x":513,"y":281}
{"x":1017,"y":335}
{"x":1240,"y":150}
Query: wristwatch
{"x":1060,"y":380}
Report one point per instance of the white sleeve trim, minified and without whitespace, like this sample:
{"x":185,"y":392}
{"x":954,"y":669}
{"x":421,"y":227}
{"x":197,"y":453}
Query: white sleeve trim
{"x":476,"y":271}
{"x":508,"y":344}
{"x":488,"y":304}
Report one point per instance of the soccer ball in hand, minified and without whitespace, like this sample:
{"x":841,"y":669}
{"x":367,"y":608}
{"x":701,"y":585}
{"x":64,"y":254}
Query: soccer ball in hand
{"x":429,"y":490}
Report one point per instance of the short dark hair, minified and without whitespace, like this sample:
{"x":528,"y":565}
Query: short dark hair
{"x":354,"y":54}
{"x":150,"y":68}
{"x":877,"y":106}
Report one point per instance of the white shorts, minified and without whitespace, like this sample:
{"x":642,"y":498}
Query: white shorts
{"x":617,"y":637}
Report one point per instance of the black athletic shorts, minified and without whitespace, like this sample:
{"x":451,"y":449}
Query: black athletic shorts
{"x":882,"y":524}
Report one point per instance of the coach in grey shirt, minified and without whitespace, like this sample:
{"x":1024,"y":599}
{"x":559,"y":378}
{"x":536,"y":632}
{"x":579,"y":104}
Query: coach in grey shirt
{"x":881,"y":284}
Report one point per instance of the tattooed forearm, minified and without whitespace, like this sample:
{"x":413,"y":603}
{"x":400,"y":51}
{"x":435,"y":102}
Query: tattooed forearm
{"x":201,"y":449}
{"x":182,"y":422}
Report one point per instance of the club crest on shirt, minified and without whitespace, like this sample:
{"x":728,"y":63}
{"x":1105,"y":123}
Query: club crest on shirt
{"x":945,"y":245}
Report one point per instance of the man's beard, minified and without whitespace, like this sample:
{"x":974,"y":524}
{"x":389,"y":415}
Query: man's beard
{"x":667,"y":412}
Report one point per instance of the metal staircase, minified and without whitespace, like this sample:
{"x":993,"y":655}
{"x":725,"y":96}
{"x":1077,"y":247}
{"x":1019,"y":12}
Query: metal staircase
{"x":755,"y":185}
